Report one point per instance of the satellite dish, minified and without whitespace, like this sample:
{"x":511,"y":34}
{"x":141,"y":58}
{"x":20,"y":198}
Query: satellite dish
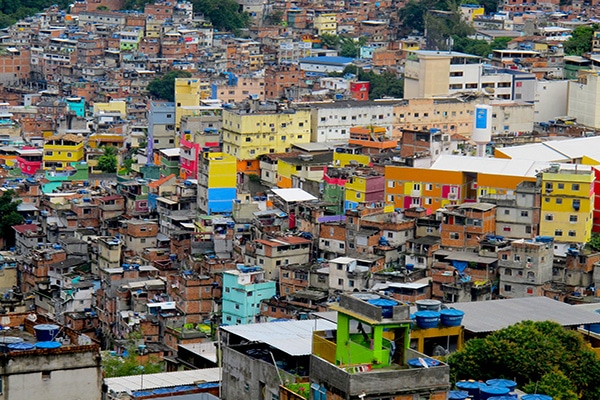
{"x":488,"y":90}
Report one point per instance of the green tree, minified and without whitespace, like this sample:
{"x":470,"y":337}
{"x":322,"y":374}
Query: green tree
{"x":129,"y":364}
{"x":382,"y":85}
{"x":330,"y":41}
{"x":541,"y":354}
{"x":225,"y":15}
{"x":107,"y":162}
{"x":164,"y":87}
{"x":274,"y":18}
{"x":580,"y":41}
{"x":9,"y":216}
{"x":594,"y":242}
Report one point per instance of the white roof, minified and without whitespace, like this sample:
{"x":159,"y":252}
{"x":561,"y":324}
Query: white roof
{"x":499,"y":166}
{"x":294,"y":194}
{"x":207,"y":350}
{"x":343,"y":260}
{"x":133,"y":383}
{"x":171,"y":152}
{"x":291,"y":337}
{"x":556,"y":150}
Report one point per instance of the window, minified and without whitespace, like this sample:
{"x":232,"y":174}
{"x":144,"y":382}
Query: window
{"x":506,"y":229}
{"x":508,"y":272}
{"x":575,"y":187}
{"x":46,"y":375}
{"x":572,"y":218}
{"x":572,"y":233}
{"x":517,"y":257}
{"x":561,"y":185}
{"x":351,"y":283}
{"x":504,"y":256}
{"x":341,"y":282}
{"x":143,"y":240}
{"x":69,"y":155}
{"x":576,"y":204}
{"x":507,"y":288}
{"x":428,"y":186}
{"x":558,"y":232}
{"x":558,"y":200}
{"x":454,"y":235}
{"x":524,"y":213}
{"x":391,"y":184}
{"x":549,"y":217}
{"x":548,"y":186}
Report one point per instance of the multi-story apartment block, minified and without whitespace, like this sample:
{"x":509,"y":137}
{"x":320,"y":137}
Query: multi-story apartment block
{"x":431,"y":73}
{"x":273,"y":252}
{"x":139,"y":234}
{"x":582,"y":99}
{"x":161,"y":126}
{"x":15,"y":65}
{"x":518,"y":214}
{"x":249,"y":133}
{"x":524,"y":267}
{"x":331,"y":122}
{"x":63,"y":150}
{"x":217,"y":179}
{"x":466,"y":225}
{"x":567,"y":205}
{"x":325,"y":23}
{"x":243,"y":290}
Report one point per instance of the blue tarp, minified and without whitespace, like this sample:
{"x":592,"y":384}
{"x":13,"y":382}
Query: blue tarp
{"x":460,"y":265}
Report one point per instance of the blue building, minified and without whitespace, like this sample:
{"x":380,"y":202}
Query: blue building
{"x":243,"y":290}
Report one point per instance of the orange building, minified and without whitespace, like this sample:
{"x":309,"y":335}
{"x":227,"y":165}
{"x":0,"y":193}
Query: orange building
{"x":466,"y":225}
{"x":372,"y":138}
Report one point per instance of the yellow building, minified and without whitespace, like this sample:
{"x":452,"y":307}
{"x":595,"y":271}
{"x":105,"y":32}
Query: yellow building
{"x":188,"y":94}
{"x":325,"y":23}
{"x":111,"y":106}
{"x":295,"y":171}
{"x":350,"y":155}
{"x":567,"y":203}
{"x":62,"y":150}
{"x":248,"y":134}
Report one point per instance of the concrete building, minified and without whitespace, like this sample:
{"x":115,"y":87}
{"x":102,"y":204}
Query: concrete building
{"x":551,"y":100}
{"x":583,"y":101}
{"x":464,"y":226}
{"x":567,"y":205}
{"x":512,"y":117}
{"x":271,"y":253}
{"x":161,"y":127}
{"x":217,"y":179}
{"x":525,"y":267}
{"x":243,"y":290}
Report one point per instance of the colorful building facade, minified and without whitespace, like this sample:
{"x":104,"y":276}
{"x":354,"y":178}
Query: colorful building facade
{"x":217,"y":180}
{"x":243,"y":290}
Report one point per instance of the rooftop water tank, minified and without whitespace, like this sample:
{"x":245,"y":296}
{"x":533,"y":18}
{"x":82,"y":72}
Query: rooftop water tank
{"x":387,"y":306}
{"x":451,"y":317}
{"x":472,"y":387}
{"x":510,"y":396}
{"x":457,"y":395}
{"x":511,"y":385}
{"x":536,"y":397}
{"x":427,"y":319}
{"x":6,"y":340}
{"x":419,"y":361}
{"x":431,"y":305}
{"x":491,"y":391}
{"x":48,"y":345}
{"x":20,"y":346}
{"x":46,"y":332}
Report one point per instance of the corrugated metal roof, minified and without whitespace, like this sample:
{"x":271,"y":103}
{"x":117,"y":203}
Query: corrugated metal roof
{"x":133,"y":383}
{"x":489,"y":316}
{"x":291,"y":337}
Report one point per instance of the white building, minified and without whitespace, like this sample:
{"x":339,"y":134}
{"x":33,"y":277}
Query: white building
{"x":583,"y":99}
{"x":331,"y":122}
{"x":512,"y":117}
{"x":550,"y":99}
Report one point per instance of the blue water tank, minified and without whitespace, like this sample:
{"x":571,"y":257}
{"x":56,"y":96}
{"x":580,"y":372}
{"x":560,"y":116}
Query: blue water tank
{"x":593,"y":327}
{"x":510,"y":396}
{"x":48,"y":345}
{"x":457,"y":395}
{"x":6,"y":340}
{"x":471,"y":387}
{"x":46,"y":332}
{"x":511,"y":385}
{"x":427,"y":319}
{"x":490,"y":391}
{"x":451,"y":317}
{"x":20,"y":346}
{"x":416,"y":362}
{"x":410,"y":267}
{"x":536,"y":397}
{"x":387,"y":306}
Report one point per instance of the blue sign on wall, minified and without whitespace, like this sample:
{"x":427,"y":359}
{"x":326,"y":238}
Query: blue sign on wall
{"x":481,"y":118}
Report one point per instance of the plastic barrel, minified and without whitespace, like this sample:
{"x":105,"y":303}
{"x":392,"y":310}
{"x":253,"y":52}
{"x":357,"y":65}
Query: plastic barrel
{"x":457,"y":395}
{"x":20,"y":346}
{"x":48,"y":345}
{"x":427,"y":319}
{"x":46,"y":332}
{"x":451,"y":317}
{"x":6,"y":340}
{"x":489,"y":391}
{"x":536,"y":397}
{"x":428,"y":305}
{"x":512,"y":385}
{"x":416,"y":362}
{"x":471,"y":387}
